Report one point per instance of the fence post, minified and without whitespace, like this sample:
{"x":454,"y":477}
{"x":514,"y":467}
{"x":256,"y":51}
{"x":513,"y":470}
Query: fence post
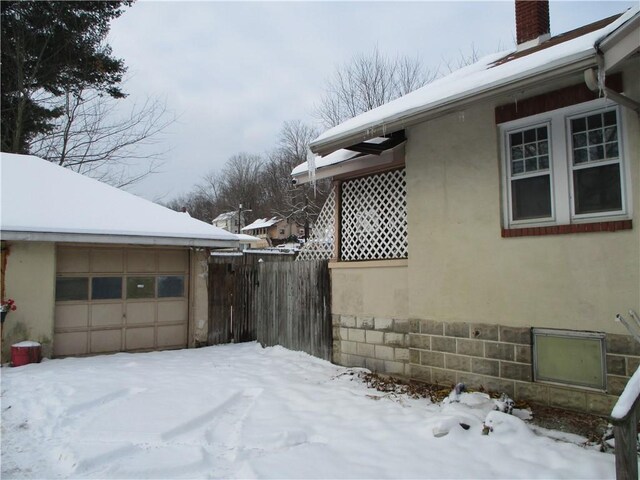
{"x":625,"y":431}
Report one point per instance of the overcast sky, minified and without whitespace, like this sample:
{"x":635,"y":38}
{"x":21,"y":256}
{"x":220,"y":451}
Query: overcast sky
{"x":235,"y":71}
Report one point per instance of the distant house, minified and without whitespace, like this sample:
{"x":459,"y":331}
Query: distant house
{"x":94,"y":269}
{"x":229,"y":221}
{"x":273,"y":231}
{"x":481,"y":229}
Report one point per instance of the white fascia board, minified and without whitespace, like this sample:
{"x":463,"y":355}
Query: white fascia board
{"x":401,"y":120}
{"x":352,"y":165}
{"x":116,"y":239}
{"x":621,"y":44}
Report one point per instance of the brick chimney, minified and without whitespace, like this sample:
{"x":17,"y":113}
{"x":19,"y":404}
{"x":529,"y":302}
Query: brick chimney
{"x":532,"y":21}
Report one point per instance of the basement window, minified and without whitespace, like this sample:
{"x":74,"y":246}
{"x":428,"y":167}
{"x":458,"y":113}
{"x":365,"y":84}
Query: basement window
{"x":569,"y":357}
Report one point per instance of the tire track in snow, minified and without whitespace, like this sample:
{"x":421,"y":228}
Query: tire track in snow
{"x":222,"y":441}
{"x":226,"y":431}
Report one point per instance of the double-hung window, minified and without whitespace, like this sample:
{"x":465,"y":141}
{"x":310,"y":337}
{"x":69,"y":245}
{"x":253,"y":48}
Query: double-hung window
{"x":563,"y":167}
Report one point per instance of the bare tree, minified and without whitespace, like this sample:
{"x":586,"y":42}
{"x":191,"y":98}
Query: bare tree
{"x":368,"y":81}
{"x":464,"y":59}
{"x":93,"y":138}
{"x":241,"y":182}
{"x":299,"y":203}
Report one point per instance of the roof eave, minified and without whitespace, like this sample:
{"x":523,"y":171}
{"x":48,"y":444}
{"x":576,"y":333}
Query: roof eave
{"x":620,"y":44}
{"x":570,"y":65}
{"x":26,"y":236}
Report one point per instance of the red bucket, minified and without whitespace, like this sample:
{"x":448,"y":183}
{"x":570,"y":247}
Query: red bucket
{"x":24,"y":353}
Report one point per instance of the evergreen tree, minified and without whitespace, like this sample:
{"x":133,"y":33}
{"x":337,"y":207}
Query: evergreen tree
{"x":48,"y":50}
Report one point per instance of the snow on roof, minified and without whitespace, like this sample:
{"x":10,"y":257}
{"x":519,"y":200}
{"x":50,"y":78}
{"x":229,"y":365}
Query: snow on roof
{"x":244,"y":238}
{"x":262,"y":223}
{"x":483,"y":76}
{"x":43,"y":201}
{"x":338,"y":156}
{"x":224,"y":216}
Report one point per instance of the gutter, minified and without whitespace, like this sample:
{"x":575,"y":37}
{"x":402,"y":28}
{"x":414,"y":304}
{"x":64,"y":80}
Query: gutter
{"x":116,"y":239}
{"x":501,"y":87}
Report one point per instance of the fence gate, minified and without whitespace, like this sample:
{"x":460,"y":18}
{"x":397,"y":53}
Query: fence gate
{"x":275,"y":303}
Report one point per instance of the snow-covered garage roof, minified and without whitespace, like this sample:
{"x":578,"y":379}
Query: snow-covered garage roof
{"x":486,"y":77}
{"x":41,"y":201}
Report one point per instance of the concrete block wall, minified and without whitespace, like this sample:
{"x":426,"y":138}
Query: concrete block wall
{"x":379,"y":344}
{"x":492,"y":357}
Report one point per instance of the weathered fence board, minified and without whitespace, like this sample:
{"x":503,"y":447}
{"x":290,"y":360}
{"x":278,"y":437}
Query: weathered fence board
{"x":276,"y":303}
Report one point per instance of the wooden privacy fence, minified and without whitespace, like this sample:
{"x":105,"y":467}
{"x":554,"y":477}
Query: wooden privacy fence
{"x":275,"y":303}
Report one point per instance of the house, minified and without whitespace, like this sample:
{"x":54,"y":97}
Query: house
{"x":273,"y":230}
{"x":94,"y":269}
{"x":229,"y":221}
{"x":247,"y":241}
{"x":483,"y":229}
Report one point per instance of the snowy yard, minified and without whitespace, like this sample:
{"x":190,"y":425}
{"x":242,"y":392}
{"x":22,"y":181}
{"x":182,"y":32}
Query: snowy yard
{"x":241,"y":411}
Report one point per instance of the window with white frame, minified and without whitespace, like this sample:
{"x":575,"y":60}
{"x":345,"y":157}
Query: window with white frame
{"x":564,"y":166}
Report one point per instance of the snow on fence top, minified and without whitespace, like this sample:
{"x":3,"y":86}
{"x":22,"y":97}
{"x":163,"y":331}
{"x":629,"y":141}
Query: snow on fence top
{"x":43,"y":200}
{"x":627,"y":399}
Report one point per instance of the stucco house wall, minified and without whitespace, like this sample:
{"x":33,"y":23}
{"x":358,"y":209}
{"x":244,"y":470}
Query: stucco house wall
{"x":29,"y":279}
{"x":575,"y":281}
{"x":463,"y":307}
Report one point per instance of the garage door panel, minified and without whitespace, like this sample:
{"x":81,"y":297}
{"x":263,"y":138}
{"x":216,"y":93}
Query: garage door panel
{"x":139,"y":338}
{"x":106,"y":341}
{"x":141,"y":261}
{"x":71,"y":260}
{"x":110,"y":315}
{"x":106,"y":315}
{"x":140,"y":313}
{"x":107,"y":261}
{"x":172,"y":311}
{"x":72,"y":316}
{"x":172,"y":335}
{"x":72,"y":343}
{"x":173,"y":261}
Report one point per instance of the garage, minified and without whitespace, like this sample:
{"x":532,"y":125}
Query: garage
{"x":94,"y":269}
{"x":120,"y":299}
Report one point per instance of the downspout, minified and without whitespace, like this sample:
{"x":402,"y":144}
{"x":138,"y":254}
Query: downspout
{"x":595,"y":81}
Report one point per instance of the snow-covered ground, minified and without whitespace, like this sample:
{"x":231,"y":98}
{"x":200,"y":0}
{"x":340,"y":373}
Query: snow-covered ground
{"x":241,"y":411}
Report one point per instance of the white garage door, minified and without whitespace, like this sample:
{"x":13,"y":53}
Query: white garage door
{"x":120,"y":299}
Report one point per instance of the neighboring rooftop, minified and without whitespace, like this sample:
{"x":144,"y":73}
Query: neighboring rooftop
{"x":43,"y":201}
{"x":225,"y":216}
{"x":262,"y":223}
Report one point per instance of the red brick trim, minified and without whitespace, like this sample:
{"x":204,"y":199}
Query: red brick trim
{"x":564,"y":229}
{"x":564,"y":97}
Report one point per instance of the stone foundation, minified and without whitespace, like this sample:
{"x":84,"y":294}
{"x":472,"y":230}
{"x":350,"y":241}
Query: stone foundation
{"x":379,"y":344}
{"x":493,"y":357}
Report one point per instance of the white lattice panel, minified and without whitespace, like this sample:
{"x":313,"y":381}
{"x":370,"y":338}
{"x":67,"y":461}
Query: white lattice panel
{"x":374,"y":217}
{"x":321,"y":244}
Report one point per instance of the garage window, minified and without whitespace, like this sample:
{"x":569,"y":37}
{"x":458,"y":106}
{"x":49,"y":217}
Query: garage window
{"x":106,"y":288}
{"x":141,"y":287}
{"x":170,"y":286}
{"x":72,"y":288}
